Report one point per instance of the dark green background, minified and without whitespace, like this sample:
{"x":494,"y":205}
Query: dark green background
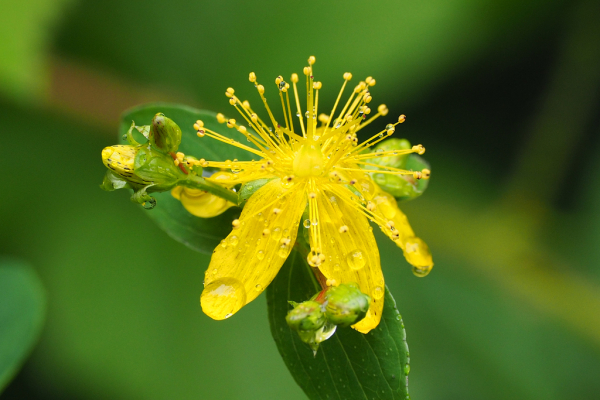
{"x":504,"y":95}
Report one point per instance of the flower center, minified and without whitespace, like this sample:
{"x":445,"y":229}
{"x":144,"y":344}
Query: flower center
{"x":308,"y":161}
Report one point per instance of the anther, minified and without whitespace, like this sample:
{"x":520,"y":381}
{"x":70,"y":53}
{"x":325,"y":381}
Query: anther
{"x":180,"y":156}
{"x":252,"y":77}
{"x":368,"y":99}
{"x":418,"y":149}
{"x":261,"y":89}
{"x":246,"y":104}
{"x":278,"y":80}
{"x":343,"y":229}
{"x":425,"y":173}
{"x":317,"y":85}
{"x":311,"y":60}
{"x":229,"y":92}
{"x":231,"y":123}
{"x":324,"y":118}
{"x":370,"y":81}
{"x":382,"y":109}
{"x":235,"y":223}
{"x":347,"y":76}
{"x":306,"y":71}
{"x":294,"y":78}
{"x":417,"y":174}
{"x":221,"y":118}
{"x":242,"y":129}
{"x":232,"y":101}
{"x":254,"y":118}
{"x":402,"y":118}
{"x":199,"y":124}
{"x":201,"y":133}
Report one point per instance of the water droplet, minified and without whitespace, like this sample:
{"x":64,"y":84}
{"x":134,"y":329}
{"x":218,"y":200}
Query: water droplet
{"x":406,"y":369}
{"x":214,"y":271}
{"x":356,"y":259}
{"x":276,"y":233}
{"x":234,"y":240}
{"x":315,"y":222}
{"x":258,"y":287}
{"x":223,"y":298}
{"x":378,"y":293}
{"x":298,"y":115}
{"x":260,"y":254}
{"x":337,"y":267}
{"x":306,"y":223}
{"x":249,"y":187}
{"x":283,"y":251}
{"x":421,"y":271}
{"x":223,"y":243}
{"x":307,"y":114}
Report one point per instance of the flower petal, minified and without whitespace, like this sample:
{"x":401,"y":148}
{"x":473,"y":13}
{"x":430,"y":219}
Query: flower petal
{"x":246,"y":262}
{"x":351,"y":253}
{"x":415,"y":250}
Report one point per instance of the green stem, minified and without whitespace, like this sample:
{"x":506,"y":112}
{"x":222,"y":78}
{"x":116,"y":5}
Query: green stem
{"x":197,"y":182}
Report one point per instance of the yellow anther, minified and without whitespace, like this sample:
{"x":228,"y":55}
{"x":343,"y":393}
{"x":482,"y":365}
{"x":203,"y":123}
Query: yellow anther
{"x":317,"y":85}
{"x":261,"y":89}
{"x":417,"y":174}
{"x":246,"y":104}
{"x":402,"y":118}
{"x":266,"y":232}
{"x":203,"y":163}
{"x":425,"y":173}
{"x":252,"y":77}
{"x":367,"y":110}
{"x":359,"y":88}
{"x":324,"y":118}
{"x":294,"y":78}
{"x":276,"y":211}
{"x":235,"y":223}
{"x":343,"y":229}
{"x":221,"y":118}
{"x":370,"y":81}
{"x":331,"y":282}
{"x":242,"y":129}
{"x":371,"y":206}
{"x":232,"y":101}
{"x":285,"y":89}
{"x":200,"y":123}
{"x":311,"y":60}
{"x":200,"y":133}
{"x":368,"y":99}
{"x":306,"y":70}
{"x":180,"y":156}
{"x":176,"y":162}
{"x":230,"y":90}
{"x":231,"y":123}
{"x":418,"y":149}
{"x":278,"y":80}
{"x":254,"y":117}
{"x":382,"y":109}
{"x":347,"y":76}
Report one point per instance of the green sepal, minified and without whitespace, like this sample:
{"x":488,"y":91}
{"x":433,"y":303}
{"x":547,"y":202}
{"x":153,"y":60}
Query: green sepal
{"x":153,"y":166}
{"x":113,"y":181}
{"x":306,"y":316}
{"x":248,"y":189}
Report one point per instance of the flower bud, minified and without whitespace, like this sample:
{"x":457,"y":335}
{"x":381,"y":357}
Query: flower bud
{"x":306,"y":317}
{"x":346,"y":304}
{"x":165,"y":135}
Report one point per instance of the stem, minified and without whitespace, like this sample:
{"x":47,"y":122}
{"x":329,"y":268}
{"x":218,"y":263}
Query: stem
{"x":197,"y":182}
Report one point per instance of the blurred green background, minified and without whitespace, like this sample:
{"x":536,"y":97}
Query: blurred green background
{"x":504,"y":95}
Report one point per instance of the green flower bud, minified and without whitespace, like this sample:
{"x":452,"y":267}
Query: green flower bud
{"x":165,"y":135}
{"x":346,"y":305}
{"x":306,"y":317}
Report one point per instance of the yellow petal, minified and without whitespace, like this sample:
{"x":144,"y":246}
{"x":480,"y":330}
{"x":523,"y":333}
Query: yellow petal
{"x":200,"y":203}
{"x":415,"y":249}
{"x":351,"y":253}
{"x":246,"y":262}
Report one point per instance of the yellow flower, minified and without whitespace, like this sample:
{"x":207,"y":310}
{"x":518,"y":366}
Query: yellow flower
{"x":321,"y":167}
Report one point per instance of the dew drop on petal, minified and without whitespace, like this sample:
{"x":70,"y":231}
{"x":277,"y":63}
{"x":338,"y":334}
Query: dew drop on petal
{"x":276,"y":233}
{"x":260,"y":254}
{"x":223,"y":298}
{"x":356,"y":259}
{"x":234,"y":240}
{"x":223,"y":243}
{"x":377,"y":292}
{"x":421,"y":271}
{"x":258,"y":287}
{"x":306,"y":223}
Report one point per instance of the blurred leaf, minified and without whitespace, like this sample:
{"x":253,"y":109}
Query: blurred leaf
{"x":22,"y":308}
{"x":24,"y":34}
{"x":200,"y":234}
{"x":349,"y":365}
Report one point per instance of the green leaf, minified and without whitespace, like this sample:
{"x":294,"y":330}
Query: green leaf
{"x":350,"y":365}
{"x":22,"y":308}
{"x":200,"y":234}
